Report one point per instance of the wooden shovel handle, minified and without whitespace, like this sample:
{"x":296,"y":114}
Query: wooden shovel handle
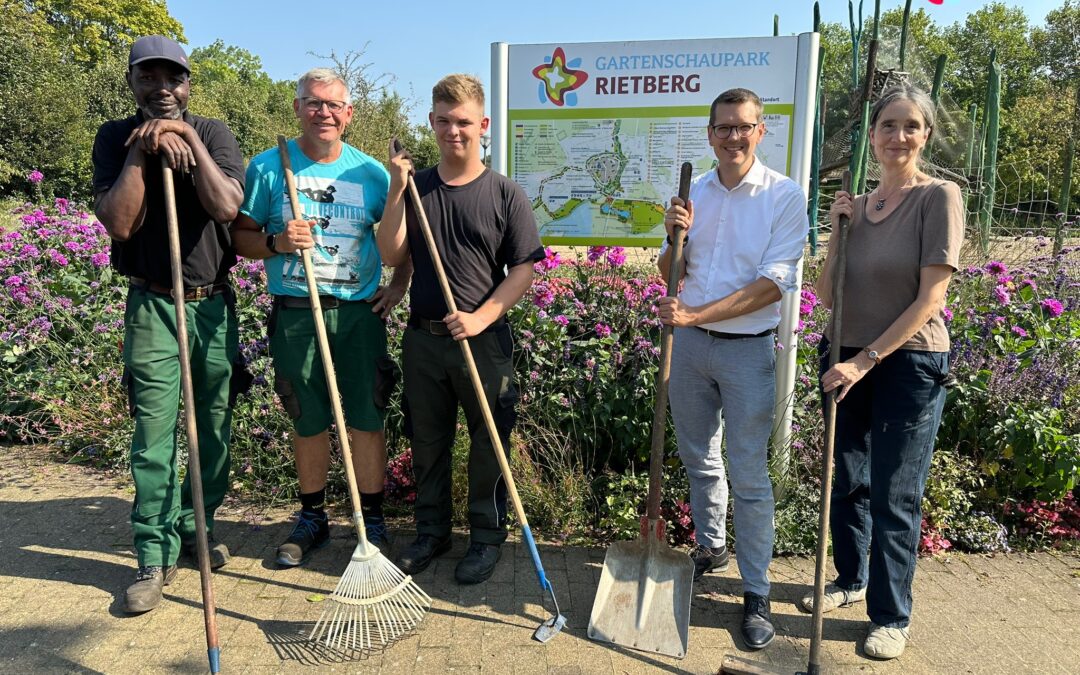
{"x":188,"y":393}
{"x":667,"y":339}
{"x":839,"y":274}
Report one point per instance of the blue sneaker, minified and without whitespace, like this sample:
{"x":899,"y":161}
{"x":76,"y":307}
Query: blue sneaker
{"x":312,"y":531}
{"x":379,"y":534}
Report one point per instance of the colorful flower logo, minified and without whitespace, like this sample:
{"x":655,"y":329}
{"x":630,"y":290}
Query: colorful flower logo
{"x":559,"y":78}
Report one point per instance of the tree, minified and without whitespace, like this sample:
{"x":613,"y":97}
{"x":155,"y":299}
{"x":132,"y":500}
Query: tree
{"x":1058,"y":44}
{"x":993,"y":27}
{"x":95,"y":27}
{"x":228,"y":83}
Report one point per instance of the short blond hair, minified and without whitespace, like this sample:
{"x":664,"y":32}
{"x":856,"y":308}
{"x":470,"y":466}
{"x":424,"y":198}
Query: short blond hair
{"x":458,"y":88}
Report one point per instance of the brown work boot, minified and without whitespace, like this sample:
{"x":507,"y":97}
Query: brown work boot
{"x":219,"y":552}
{"x":145,"y":593}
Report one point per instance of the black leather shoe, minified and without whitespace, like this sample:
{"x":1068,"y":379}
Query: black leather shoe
{"x":757,"y":628}
{"x":478,"y":564}
{"x":219,"y":552}
{"x":708,"y":559}
{"x":418,"y":555}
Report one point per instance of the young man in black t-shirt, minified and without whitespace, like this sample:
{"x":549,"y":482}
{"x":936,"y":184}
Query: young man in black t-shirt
{"x":129,"y":201}
{"x":487,"y":237}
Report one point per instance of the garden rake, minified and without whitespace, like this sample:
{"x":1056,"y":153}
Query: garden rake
{"x":551,"y":627}
{"x":734,"y":665}
{"x":202,"y":550}
{"x":643,"y":600}
{"x":375,"y":603}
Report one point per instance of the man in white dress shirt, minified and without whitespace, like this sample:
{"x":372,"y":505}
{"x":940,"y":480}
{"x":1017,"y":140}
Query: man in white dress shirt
{"x":745,"y":225}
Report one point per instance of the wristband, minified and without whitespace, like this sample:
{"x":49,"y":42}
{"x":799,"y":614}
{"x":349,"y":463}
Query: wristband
{"x":270,"y":244}
{"x":671,"y":243}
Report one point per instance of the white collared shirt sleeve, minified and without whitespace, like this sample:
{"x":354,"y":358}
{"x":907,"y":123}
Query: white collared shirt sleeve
{"x":790,"y":228}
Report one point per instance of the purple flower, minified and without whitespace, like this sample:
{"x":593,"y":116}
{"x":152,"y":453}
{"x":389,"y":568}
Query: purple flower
{"x":561,"y":320}
{"x":1001,"y":294}
{"x":12,"y":281}
{"x":602,"y":330}
{"x":615,"y":256}
{"x":551,"y":261}
{"x":35,"y":176}
{"x":1052,"y":307}
{"x":996,"y":268}
{"x":99,"y":259}
{"x":596,"y":252}
{"x":543,"y":296}
{"x":1019,"y":331}
{"x":61,"y":205}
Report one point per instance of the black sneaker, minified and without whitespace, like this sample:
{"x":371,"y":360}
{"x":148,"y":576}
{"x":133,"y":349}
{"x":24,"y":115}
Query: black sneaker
{"x":145,"y":593}
{"x":757,"y":628}
{"x":312,"y":531}
{"x":379,"y":534}
{"x":418,"y":555}
{"x":478,"y":564}
{"x":219,"y":552}
{"x":708,"y":559}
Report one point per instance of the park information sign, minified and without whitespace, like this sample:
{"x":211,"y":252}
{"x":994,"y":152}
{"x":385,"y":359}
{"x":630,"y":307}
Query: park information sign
{"x":595,"y":133}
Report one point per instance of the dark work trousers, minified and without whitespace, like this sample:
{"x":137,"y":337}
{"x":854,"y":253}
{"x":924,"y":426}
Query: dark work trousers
{"x":435,"y":382}
{"x":885,"y":432}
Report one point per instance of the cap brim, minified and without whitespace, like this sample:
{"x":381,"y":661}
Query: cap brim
{"x":145,"y":59}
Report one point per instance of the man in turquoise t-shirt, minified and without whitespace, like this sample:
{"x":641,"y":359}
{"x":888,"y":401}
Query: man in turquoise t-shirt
{"x":342,"y":192}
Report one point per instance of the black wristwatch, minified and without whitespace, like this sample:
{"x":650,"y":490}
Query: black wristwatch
{"x":270,"y":244}
{"x":671,"y":243}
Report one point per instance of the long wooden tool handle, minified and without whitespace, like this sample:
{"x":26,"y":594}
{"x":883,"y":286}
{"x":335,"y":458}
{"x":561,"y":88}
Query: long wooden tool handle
{"x":324,"y":345}
{"x":474,"y":376}
{"x":194,"y":476}
{"x":667,"y":340}
{"x":839,"y":274}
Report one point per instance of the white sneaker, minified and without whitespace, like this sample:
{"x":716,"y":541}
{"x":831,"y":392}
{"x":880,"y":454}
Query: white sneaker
{"x":834,"y":597}
{"x":885,"y":643}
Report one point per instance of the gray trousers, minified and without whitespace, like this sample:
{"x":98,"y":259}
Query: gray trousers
{"x":727,"y":382}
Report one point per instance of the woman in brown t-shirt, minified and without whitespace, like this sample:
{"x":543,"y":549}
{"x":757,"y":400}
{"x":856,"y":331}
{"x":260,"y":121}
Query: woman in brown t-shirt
{"x":903,"y":246}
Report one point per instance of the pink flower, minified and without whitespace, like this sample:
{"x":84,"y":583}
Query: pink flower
{"x":1001,"y":294}
{"x":615,"y":256}
{"x":947,"y":313}
{"x":561,"y":320}
{"x":996,"y":268}
{"x":35,"y":176}
{"x":99,"y":259}
{"x":596,"y":252}
{"x":602,"y":330}
{"x":1052,"y":307}
{"x":1019,"y":331}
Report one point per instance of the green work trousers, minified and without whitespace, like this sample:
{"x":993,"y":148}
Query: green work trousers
{"x":436,"y":381}
{"x":162,"y":513}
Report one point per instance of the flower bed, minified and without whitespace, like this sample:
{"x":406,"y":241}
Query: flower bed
{"x":1004,"y":474}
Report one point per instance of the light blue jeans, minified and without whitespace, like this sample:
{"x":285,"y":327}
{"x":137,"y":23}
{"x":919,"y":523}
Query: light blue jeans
{"x":718,"y":382}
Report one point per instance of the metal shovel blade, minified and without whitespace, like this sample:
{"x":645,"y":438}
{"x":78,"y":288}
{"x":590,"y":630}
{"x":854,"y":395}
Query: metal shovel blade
{"x":643,"y":601}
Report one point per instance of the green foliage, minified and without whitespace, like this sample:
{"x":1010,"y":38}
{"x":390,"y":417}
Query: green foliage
{"x":228,"y":83}
{"x":94,"y":28}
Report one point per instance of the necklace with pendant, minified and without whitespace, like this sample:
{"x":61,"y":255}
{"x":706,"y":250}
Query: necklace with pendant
{"x":880,"y":204}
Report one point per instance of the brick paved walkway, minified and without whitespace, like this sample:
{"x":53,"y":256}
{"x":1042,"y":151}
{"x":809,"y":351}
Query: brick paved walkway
{"x":65,"y":559}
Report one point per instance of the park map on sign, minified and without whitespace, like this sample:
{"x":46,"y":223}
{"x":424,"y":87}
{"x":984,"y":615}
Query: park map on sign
{"x":609,"y":180}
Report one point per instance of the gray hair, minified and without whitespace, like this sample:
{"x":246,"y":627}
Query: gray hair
{"x":323,"y":75}
{"x":906,"y":92}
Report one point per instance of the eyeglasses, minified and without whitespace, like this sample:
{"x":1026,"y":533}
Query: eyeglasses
{"x":724,"y":130}
{"x":312,"y":104}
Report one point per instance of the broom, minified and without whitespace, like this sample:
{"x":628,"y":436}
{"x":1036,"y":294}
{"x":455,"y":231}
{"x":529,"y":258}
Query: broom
{"x":375,"y":603}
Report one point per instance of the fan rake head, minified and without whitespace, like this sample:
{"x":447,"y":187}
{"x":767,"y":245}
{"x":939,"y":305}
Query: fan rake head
{"x":374,"y":604}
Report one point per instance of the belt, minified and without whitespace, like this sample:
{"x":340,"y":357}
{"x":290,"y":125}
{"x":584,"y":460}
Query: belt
{"x":325,"y":301}
{"x":439,"y":327}
{"x":734,"y":336}
{"x":197,"y":293}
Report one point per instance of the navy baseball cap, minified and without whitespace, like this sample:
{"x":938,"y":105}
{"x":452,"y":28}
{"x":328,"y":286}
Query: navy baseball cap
{"x":158,"y":48}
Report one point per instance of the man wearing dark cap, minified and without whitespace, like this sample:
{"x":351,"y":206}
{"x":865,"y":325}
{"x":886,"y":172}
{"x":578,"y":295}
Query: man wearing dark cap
{"x":129,"y":202}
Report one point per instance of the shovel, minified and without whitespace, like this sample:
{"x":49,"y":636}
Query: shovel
{"x":202,"y":549}
{"x":643,"y":601}
{"x":734,"y":665}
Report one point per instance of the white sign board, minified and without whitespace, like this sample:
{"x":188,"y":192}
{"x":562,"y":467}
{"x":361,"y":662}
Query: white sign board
{"x":595,"y":133}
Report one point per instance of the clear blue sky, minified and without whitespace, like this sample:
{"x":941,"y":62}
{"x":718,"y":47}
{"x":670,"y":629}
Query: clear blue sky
{"x":420,"y":41}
